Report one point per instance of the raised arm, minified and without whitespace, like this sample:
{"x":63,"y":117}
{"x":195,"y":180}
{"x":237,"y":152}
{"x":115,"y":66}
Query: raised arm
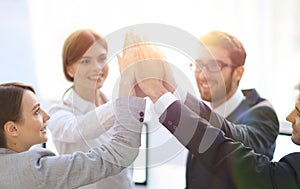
{"x":259,"y":129}
{"x":227,"y":158}
{"x":78,"y":169}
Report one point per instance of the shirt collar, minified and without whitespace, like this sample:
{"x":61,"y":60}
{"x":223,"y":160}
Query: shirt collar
{"x":6,"y":151}
{"x":79,"y":104}
{"x":231,"y":104}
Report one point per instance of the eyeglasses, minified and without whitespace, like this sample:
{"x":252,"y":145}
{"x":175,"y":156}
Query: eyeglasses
{"x":298,"y":111}
{"x":210,"y":65}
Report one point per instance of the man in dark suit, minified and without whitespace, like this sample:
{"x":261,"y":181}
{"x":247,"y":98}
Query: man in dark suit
{"x":238,"y":166}
{"x":197,"y":127}
{"x":253,"y":121}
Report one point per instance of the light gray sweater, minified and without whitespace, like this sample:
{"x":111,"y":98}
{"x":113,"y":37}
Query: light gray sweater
{"x":40,"y":168}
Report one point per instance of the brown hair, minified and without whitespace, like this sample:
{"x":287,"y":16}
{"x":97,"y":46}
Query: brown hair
{"x":228,"y":42}
{"x":11,"y":95}
{"x":297,"y":87}
{"x":76,"y":45}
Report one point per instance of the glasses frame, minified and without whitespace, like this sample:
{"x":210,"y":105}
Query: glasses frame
{"x":298,"y":111}
{"x":196,"y":66}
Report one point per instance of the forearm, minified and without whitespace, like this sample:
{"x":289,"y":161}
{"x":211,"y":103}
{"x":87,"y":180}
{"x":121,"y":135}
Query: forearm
{"x":108,"y":158}
{"x":154,"y":95}
{"x":213,"y":149}
{"x":258,"y":129}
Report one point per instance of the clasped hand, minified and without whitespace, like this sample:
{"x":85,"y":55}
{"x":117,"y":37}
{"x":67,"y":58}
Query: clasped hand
{"x":144,"y":69}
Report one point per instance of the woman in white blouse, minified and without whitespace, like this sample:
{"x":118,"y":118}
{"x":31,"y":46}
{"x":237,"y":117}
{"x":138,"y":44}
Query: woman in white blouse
{"x":81,"y":120}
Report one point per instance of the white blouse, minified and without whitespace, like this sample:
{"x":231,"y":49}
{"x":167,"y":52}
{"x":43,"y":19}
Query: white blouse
{"x":78,"y":125}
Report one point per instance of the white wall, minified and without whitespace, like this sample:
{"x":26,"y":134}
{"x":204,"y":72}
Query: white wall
{"x":33,"y":32}
{"x":268,"y":29}
{"x":16,"y":49}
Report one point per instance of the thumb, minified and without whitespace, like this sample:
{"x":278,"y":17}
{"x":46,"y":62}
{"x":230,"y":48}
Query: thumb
{"x":119,"y":59}
{"x":119,"y":62}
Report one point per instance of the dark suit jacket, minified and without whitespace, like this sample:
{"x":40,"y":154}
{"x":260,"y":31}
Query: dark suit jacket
{"x":254,"y":123}
{"x":237,"y":165}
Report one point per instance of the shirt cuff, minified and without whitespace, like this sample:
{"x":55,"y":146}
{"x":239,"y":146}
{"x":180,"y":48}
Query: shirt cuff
{"x":163,"y":103}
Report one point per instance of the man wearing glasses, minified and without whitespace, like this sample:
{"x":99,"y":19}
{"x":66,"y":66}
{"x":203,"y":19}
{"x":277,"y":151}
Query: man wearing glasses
{"x":252,"y":119}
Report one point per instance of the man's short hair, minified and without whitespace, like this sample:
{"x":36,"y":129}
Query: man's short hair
{"x":228,"y":42}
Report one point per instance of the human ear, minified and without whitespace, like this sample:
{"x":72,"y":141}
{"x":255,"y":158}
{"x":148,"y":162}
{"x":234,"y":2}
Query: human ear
{"x":70,"y":71}
{"x":238,"y":73}
{"x":11,"y":129}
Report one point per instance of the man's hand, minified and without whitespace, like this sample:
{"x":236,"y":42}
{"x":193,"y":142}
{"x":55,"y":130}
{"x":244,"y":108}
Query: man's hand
{"x":152,"y":73}
{"x":144,"y":68}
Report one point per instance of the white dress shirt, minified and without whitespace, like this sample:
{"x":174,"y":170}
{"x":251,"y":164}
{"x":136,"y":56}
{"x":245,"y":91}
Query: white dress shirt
{"x":77,"y":125}
{"x":231,"y":104}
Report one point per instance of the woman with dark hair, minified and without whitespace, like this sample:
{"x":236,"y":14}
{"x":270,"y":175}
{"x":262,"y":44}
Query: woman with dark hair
{"x":22,"y":125}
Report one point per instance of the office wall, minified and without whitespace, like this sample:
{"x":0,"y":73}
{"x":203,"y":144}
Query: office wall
{"x":16,"y":53}
{"x":33,"y":31}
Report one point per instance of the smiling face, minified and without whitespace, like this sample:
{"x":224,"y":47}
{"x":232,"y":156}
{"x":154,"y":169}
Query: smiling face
{"x":30,"y":130}
{"x":294,"y":118}
{"x":27,"y":121}
{"x":217,"y":87}
{"x":90,"y":71}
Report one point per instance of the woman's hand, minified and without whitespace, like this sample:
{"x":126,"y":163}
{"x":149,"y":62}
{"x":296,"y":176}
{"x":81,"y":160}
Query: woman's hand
{"x":144,"y":67}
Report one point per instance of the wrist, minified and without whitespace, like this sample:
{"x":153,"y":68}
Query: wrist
{"x":126,"y":90}
{"x":154,"y":95}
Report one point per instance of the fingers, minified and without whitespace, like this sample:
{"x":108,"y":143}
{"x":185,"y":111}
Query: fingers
{"x":130,"y":41}
{"x":119,"y":59}
{"x":130,"y":50}
{"x":145,"y":66}
{"x":158,"y":53}
{"x":169,"y":87}
{"x":139,"y":92}
{"x":169,"y":81}
{"x":120,"y":62}
{"x":134,"y":44}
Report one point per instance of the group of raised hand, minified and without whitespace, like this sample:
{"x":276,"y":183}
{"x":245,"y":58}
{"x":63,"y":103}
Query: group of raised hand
{"x":144,"y":69}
